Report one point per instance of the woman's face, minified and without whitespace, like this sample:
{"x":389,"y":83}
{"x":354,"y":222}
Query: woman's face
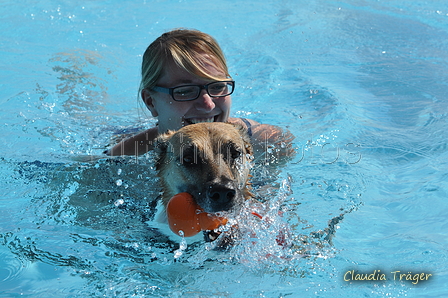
{"x":173,"y":115}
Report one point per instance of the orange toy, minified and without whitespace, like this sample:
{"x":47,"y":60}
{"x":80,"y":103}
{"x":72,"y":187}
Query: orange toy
{"x":185,"y":215}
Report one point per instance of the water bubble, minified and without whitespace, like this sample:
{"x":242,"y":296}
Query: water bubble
{"x":119,"y":182}
{"x":178,"y":253}
{"x":119,"y":202}
{"x":183,"y":244}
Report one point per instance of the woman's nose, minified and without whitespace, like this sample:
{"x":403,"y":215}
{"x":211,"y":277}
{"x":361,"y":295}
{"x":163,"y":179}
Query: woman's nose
{"x":204,"y":102}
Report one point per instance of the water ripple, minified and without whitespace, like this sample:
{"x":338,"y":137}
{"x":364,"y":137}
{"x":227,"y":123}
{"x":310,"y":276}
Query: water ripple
{"x":11,"y":267}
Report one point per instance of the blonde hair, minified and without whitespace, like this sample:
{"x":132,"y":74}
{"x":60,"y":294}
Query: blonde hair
{"x":191,"y":50}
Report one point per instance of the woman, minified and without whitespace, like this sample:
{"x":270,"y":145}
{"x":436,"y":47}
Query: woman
{"x":185,"y":80}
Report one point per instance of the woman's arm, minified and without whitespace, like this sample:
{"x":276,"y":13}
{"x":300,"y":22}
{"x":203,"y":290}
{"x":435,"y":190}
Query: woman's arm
{"x":135,"y":145}
{"x":269,"y":142}
{"x":272,"y":144}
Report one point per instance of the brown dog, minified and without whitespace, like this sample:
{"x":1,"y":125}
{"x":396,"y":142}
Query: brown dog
{"x":211,"y":161}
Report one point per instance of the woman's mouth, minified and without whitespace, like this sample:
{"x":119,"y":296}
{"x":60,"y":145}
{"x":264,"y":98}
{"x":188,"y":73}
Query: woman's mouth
{"x":200,"y":120}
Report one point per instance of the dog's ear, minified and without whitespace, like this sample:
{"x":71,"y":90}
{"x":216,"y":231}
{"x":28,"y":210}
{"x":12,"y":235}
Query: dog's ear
{"x":245,"y":137}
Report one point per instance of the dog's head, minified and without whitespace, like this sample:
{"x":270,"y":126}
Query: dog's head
{"x":211,"y":161}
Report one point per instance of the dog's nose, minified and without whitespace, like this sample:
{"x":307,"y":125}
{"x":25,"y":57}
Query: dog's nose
{"x":221,"y":194}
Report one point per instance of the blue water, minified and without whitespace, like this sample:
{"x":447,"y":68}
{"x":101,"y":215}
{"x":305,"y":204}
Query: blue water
{"x":361,"y":84}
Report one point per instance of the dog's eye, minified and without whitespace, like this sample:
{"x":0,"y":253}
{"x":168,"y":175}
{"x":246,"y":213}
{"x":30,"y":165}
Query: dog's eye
{"x":235,"y":154}
{"x":188,"y":160}
{"x":232,"y":153}
{"x":189,"y":156}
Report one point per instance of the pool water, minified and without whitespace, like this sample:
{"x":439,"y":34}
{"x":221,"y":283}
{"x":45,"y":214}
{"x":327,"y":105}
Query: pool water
{"x":361,"y":84}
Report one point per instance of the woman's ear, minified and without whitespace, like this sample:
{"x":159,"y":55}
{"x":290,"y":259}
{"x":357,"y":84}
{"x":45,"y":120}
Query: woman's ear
{"x":148,"y":100}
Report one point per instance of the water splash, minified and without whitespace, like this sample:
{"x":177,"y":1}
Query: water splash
{"x":264,"y":235}
{"x":182,"y":247}
{"x":257,"y":237}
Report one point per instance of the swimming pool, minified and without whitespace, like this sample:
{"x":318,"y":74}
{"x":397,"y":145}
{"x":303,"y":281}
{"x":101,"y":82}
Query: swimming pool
{"x":361,"y":84}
